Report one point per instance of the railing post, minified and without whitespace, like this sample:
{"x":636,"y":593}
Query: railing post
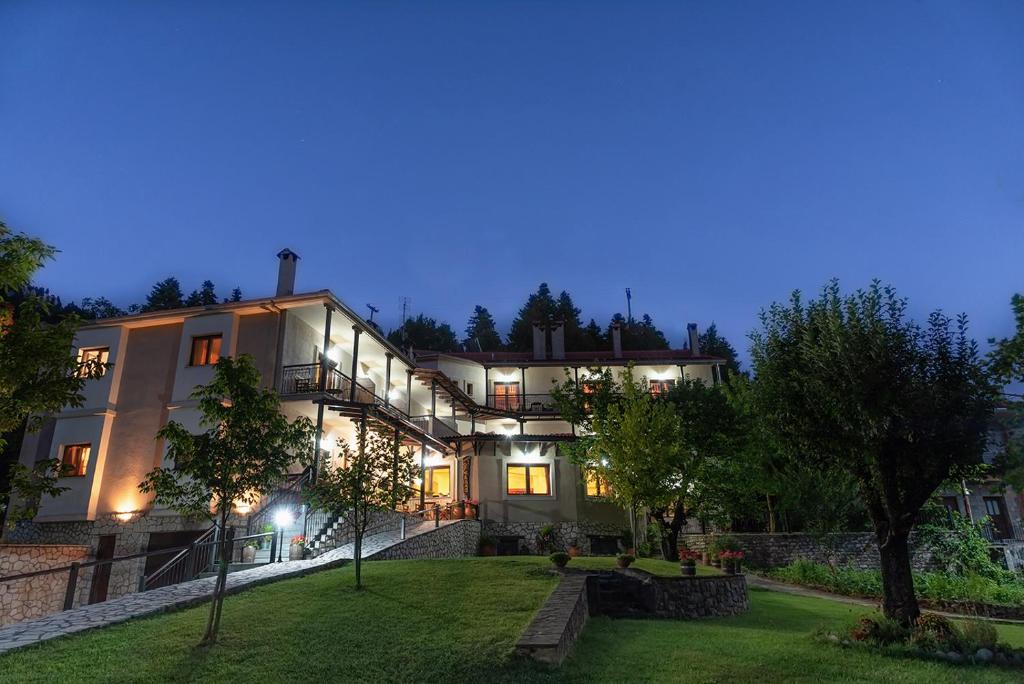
{"x":401,"y":527}
{"x":437,"y":515}
{"x":69,"y":594}
{"x":273,"y":546}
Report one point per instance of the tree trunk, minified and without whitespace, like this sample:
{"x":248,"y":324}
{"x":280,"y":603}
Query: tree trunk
{"x":224,"y":556}
{"x":357,"y":533}
{"x":772,"y":525}
{"x":899,"y":601}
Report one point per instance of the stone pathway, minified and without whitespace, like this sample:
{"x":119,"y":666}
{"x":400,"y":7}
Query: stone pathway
{"x":759,"y":582}
{"x":188,"y":593}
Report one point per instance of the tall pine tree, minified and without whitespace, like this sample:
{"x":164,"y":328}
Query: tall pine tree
{"x":539,"y":306}
{"x":425,"y":334}
{"x":481,"y":333}
{"x":204,"y":296}
{"x":165,"y":295}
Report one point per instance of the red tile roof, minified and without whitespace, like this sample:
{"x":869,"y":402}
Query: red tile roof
{"x":603,"y":357}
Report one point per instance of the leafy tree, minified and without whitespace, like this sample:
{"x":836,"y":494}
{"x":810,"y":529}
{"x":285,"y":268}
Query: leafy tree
{"x":1006,"y":360}
{"x":245,"y":451}
{"x":236,"y":295}
{"x":424,"y":333}
{"x":848,"y":382}
{"x":714,"y":344}
{"x":165,"y":295}
{"x":204,"y":296}
{"x":39,"y":373}
{"x":376,"y":477}
{"x":99,"y":307}
{"x":539,"y":306}
{"x":481,"y":330}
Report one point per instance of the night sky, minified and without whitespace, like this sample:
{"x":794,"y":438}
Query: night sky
{"x":711,"y":156}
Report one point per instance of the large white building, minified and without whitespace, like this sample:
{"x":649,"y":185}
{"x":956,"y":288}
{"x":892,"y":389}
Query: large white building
{"x":483,"y":424}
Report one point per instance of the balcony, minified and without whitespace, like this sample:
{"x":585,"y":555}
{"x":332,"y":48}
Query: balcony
{"x":305,"y":379}
{"x":442,"y":428}
{"x":523,"y":403}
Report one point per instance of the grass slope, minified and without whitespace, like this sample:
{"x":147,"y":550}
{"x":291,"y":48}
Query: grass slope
{"x":457,"y":621}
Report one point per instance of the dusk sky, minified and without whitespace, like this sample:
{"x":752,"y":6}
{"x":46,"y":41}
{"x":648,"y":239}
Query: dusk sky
{"x":711,"y":156}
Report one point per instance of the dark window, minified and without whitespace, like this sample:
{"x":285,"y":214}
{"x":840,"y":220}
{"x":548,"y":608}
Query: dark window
{"x":205,"y":350}
{"x":469,"y":388}
{"x":603,"y":545}
{"x":75,"y":459}
{"x":995,"y":508}
{"x":529,"y":479}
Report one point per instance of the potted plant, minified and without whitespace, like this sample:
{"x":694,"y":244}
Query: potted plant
{"x":488,"y":546}
{"x":624,"y":560}
{"x":457,"y":510}
{"x":688,"y":562}
{"x":249,"y":551}
{"x":268,"y":534}
{"x":574,"y":550}
{"x":297,"y":548}
{"x":560,"y":559}
{"x":731,"y":561}
{"x":626,"y":542}
{"x":472,"y":509}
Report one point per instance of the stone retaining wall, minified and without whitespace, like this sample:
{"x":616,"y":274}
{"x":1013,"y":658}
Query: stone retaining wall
{"x":34,"y":597}
{"x":451,"y":540}
{"x":856,"y":549}
{"x":687,"y":598}
{"x":556,"y":626}
{"x":565,"y":533}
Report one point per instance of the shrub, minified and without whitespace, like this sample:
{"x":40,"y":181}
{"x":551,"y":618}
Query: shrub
{"x":560,"y":558}
{"x":977,"y":634}
{"x":879,"y":630}
{"x":934,"y":632}
{"x":625,"y":559}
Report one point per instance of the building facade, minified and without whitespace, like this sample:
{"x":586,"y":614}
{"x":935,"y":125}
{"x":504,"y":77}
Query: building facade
{"x":483,"y":425}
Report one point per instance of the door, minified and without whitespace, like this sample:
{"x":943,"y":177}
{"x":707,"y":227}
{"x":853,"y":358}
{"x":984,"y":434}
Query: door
{"x":101,"y":575}
{"x":506,"y":396}
{"x":995,"y":508}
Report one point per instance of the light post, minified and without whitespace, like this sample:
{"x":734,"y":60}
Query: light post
{"x":283,"y":518}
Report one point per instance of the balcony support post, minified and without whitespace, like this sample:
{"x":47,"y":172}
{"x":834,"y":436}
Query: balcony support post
{"x":423,"y":472}
{"x":408,"y":392}
{"x":355,"y":362}
{"x":487,"y":387}
{"x":387,"y":379}
{"x":394,"y":461}
{"x":522,"y":396}
{"x":323,"y":350}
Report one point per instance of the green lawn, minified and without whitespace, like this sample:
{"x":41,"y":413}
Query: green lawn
{"x":457,"y":621}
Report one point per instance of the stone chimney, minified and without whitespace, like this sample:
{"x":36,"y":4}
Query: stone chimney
{"x":617,"y":340}
{"x":558,"y":340}
{"x":286,"y":272}
{"x":539,"y":341}
{"x":692,"y":336}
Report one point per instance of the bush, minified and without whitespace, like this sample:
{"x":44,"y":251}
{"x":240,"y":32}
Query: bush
{"x":625,"y":559}
{"x":977,"y":634}
{"x":560,"y":558}
{"x":879,"y":630}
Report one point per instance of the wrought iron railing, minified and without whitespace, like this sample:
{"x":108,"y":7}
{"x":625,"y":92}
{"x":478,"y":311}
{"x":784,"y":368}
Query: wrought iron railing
{"x":305,"y":379}
{"x":997,"y":532}
{"x":442,"y":428}
{"x":289,"y":496}
{"x":523,"y":403}
{"x":185,"y":565}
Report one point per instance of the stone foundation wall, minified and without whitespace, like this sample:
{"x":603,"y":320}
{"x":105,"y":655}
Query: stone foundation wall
{"x":34,"y":597}
{"x":565,"y":533}
{"x":557,"y":625}
{"x":132,"y":536}
{"x":452,"y":540}
{"x":687,"y":598}
{"x":856,"y":549}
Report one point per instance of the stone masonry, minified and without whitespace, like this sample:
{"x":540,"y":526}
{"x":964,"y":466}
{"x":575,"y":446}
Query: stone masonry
{"x":855,"y":549}
{"x":34,"y":597}
{"x":455,"y":540}
{"x":565,"y":533}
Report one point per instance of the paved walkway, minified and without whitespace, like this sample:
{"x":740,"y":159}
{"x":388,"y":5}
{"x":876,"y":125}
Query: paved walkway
{"x":188,"y":593}
{"x":773,"y":585}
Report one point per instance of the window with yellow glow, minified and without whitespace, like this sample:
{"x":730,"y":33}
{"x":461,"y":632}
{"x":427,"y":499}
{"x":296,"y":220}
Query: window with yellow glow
{"x":437,"y":481}
{"x":597,"y":485}
{"x":205,"y":350}
{"x":660,"y":388}
{"x":529,"y":479}
{"x":75,"y":459}
{"x":506,"y":396}
{"x":88,"y":357}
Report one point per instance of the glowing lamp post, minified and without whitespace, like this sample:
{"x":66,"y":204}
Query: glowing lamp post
{"x":283,"y":518}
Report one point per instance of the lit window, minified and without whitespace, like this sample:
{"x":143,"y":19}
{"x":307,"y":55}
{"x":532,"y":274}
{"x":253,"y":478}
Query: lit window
{"x":75,"y":459}
{"x":205,"y":350}
{"x":597,"y":485}
{"x":660,"y":388}
{"x":529,"y":479}
{"x":506,"y":396}
{"x":469,"y":388}
{"x":92,"y":357}
{"x":437,"y":481}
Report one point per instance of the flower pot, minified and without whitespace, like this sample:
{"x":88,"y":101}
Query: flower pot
{"x":688,"y":569}
{"x":574,"y":551}
{"x":623,"y":563}
{"x":472,"y":511}
{"x":457,"y":511}
{"x":488,"y":550}
{"x":248,"y":554}
{"x":295,"y":551}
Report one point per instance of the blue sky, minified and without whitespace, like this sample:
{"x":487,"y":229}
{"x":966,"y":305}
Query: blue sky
{"x":712,"y":156}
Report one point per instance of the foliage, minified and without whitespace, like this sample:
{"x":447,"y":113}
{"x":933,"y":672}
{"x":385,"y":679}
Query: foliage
{"x":560,"y":558}
{"x":245,"y":451}
{"x":204,"y":296}
{"x":847,"y":381}
{"x":1006,"y":360}
{"x":546,"y":538}
{"x":956,"y":543}
{"x":166,"y":294}
{"x":29,"y":485}
{"x":625,"y":558}
{"x":975,"y":634}
{"x":99,"y":307}
{"x":713,"y":343}
{"x":39,"y":372}
{"x":481,"y":332}
{"x":638,"y":335}
{"x":935,"y":586}
{"x":540,"y":306}
{"x":880,"y":630}
{"x":376,"y":476}
{"x":424,"y":333}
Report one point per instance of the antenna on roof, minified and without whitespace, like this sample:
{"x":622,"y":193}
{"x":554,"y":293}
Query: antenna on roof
{"x":373,"y":310}
{"x":629,"y":306}
{"x":404,"y":301}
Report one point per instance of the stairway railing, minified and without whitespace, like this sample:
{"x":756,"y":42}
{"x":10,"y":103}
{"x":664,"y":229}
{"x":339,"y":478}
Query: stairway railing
{"x":288,"y":496}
